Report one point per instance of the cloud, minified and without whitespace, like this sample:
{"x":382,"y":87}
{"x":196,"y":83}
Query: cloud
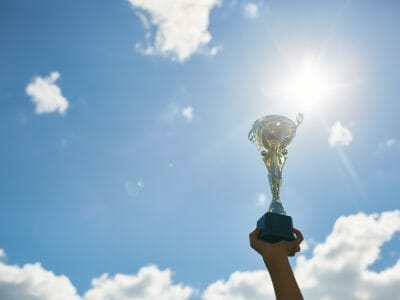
{"x":343,"y":260}
{"x":170,"y":113}
{"x":47,"y":95}
{"x":173,"y":111}
{"x":390,"y":144}
{"x":134,"y":188}
{"x":254,"y":285}
{"x":149,"y":283}
{"x":181,"y":27}
{"x":187,"y":113}
{"x":337,"y":269}
{"x":262,"y":199}
{"x":33,"y":282}
{"x":250,"y":10}
{"x":305,"y":245}
{"x":339,"y":135}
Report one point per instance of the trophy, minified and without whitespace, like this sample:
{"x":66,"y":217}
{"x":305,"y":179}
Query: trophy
{"x":272,"y":134}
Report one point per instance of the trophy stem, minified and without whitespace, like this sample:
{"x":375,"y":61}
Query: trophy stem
{"x":276,"y":207}
{"x":274,"y":160}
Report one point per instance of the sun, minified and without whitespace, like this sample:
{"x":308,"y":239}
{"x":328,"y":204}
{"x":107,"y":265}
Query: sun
{"x":307,"y":83}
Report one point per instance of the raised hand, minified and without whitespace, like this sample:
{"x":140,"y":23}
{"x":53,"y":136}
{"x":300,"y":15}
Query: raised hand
{"x":269,"y":251}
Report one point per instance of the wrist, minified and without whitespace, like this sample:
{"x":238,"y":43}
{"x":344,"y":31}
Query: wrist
{"x":276,"y":259}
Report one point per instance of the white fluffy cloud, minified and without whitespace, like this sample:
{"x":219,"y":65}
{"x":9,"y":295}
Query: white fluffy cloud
{"x":254,"y":285}
{"x":148,"y":284}
{"x":181,"y":27}
{"x":338,"y":268}
{"x":33,"y":282}
{"x":339,"y":135}
{"x":187,"y":113}
{"x":47,"y":95}
{"x":250,"y":10}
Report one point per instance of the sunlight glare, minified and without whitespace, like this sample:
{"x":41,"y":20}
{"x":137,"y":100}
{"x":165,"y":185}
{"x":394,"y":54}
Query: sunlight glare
{"x":307,"y":84}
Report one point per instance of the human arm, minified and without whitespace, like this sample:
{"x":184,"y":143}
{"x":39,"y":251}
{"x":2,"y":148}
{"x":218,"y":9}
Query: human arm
{"x":275,"y":257}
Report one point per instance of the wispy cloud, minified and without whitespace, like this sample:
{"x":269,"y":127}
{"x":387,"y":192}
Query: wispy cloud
{"x":2,"y":254}
{"x":305,"y":246}
{"x":134,"y":188}
{"x":181,"y":27}
{"x":261,"y":200}
{"x":173,"y":111}
{"x":339,"y":135}
{"x":170,"y":113}
{"x":46,"y":95}
{"x":250,"y":10}
{"x":390,"y":144}
{"x":187,"y":113}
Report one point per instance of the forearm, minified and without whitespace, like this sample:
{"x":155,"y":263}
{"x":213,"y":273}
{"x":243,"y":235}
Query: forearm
{"x":283,"y":279}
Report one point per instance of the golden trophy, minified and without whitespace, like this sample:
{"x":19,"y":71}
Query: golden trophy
{"x":272,"y":134}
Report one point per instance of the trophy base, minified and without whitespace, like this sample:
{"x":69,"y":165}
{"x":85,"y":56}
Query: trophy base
{"x":275,"y":228}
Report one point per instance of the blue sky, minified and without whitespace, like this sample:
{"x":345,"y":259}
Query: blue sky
{"x":122,"y":178}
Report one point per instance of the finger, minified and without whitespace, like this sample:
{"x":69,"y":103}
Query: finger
{"x":255,"y":231}
{"x":294,"y":251}
{"x":253,"y":236}
{"x":299,"y":235}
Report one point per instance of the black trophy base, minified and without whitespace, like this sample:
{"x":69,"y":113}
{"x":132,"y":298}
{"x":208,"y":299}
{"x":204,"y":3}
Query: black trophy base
{"x":275,"y":228}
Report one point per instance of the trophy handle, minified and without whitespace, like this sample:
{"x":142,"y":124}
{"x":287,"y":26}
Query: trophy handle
{"x":299,"y":119}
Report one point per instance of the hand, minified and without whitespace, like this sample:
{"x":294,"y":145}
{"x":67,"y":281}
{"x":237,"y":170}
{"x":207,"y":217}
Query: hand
{"x":283,"y":248}
{"x":276,"y":260}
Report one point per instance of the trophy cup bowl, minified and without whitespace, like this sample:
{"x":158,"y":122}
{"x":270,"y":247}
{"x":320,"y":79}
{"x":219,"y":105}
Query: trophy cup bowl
{"x":272,"y":134}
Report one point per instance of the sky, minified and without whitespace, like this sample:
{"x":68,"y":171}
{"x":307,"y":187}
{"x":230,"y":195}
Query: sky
{"x":125,"y":168}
